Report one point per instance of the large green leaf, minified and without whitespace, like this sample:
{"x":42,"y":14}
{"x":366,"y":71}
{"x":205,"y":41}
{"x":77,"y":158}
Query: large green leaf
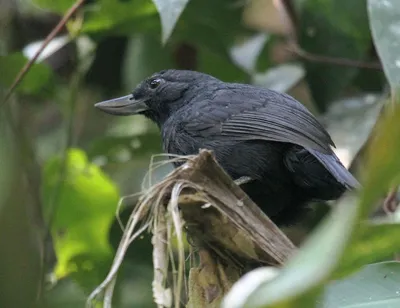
{"x":383,"y":164}
{"x":38,"y":76}
{"x":376,"y":286}
{"x":373,"y":242}
{"x":210,"y":28}
{"x":122,"y":17}
{"x":384,"y":22}
{"x":169,"y":11}
{"x":335,"y":28}
{"x":84,"y":205}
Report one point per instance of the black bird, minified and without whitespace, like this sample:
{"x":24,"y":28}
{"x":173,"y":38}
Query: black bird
{"x":265,"y":137}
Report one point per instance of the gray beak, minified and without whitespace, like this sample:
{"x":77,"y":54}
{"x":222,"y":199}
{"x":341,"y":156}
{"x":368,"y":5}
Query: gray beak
{"x":125,"y":105}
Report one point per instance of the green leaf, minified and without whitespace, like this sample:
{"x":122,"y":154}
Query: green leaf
{"x":385,"y":28}
{"x":38,"y":76}
{"x":373,"y":242}
{"x":313,"y":263}
{"x":375,"y":286}
{"x":215,"y":29}
{"x":334,"y":28}
{"x":121,"y":17}
{"x":372,"y":82}
{"x":382,"y":164}
{"x":59,"y":6}
{"x":84,"y":209}
{"x":169,"y":11}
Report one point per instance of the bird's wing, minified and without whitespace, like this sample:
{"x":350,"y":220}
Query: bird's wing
{"x":257,"y":114}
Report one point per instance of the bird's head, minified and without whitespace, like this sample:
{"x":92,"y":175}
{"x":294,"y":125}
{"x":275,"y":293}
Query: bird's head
{"x":158,"y":96}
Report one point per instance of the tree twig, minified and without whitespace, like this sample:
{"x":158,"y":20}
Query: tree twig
{"x":48,"y":39}
{"x":298,"y":51}
{"x":285,"y":9}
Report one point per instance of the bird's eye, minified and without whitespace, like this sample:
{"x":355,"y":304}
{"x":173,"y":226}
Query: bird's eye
{"x":155,"y":83}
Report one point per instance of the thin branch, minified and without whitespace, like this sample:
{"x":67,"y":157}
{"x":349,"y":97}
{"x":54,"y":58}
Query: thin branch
{"x":285,"y":9}
{"x":298,"y":51}
{"x":48,"y":39}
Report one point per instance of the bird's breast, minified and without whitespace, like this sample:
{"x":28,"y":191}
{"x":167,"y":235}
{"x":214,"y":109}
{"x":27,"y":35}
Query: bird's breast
{"x":177,"y":141}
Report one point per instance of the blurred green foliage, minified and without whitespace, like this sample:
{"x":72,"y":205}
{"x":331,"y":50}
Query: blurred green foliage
{"x":67,"y":165}
{"x":37,"y":79}
{"x":79,"y":201}
{"x":345,"y":23}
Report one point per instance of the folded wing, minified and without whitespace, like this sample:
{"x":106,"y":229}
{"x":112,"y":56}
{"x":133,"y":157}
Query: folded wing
{"x":248,"y":113}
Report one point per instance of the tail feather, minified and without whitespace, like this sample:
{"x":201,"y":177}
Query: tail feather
{"x":332,"y":163}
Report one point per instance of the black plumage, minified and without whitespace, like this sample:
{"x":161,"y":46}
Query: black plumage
{"x":254,"y":132}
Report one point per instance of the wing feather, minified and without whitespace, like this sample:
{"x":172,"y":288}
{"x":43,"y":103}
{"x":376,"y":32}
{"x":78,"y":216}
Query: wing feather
{"x":249,"y":113}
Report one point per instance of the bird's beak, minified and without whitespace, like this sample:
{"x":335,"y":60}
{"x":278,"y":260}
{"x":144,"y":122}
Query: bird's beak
{"x":125,"y":105}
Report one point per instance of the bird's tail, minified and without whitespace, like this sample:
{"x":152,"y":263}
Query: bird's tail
{"x":336,"y":168}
